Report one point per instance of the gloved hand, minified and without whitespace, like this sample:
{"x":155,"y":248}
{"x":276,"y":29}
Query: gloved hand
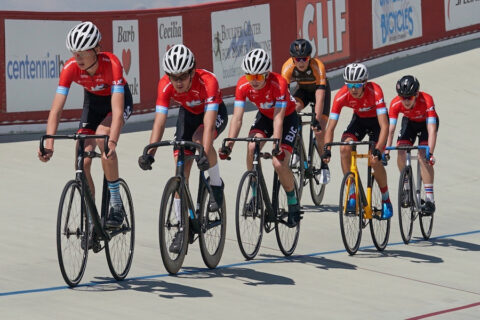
{"x":316,"y":125}
{"x":224,"y":152}
{"x":279,"y":154}
{"x":377,"y":153}
{"x":327,"y":154}
{"x":202,"y":163}
{"x":431,"y":160}
{"x":145,"y":161}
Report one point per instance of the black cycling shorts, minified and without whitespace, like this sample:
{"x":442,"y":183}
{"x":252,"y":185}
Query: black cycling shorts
{"x":96,"y":108}
{"x":264,"y":126}
{"x":410,"y":130}
{"x":358,"y":128}
{"x":308,"y":96}
{"x":188,"y":123}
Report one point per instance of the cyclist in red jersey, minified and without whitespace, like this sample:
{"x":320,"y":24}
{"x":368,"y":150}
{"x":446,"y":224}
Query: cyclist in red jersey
{"x":369,"y":117}
{"x":419,"y":120}
{"x":107,"y":105}
{"x":201,"y":118}
{"x":276,"y":117}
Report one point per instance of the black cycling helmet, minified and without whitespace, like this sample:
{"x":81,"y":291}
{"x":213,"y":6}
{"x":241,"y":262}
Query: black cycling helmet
{"x":407,"y":86}
{"x":300,"y":48}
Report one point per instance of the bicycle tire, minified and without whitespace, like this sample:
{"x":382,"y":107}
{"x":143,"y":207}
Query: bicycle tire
{"x":379,"y":228}
{"x":119,"y":250}
{"x":426,"y":222}
{"x":169,"y":226}
{"x":350,"y":222}
{"x":317,"y":189}
{"x":406,"y":207}
{"x":298,"y":168}
{"x":71,"y":231}
{"x":213,"y":231}
{"x":287,"y":237}
{"x":249,"y":215}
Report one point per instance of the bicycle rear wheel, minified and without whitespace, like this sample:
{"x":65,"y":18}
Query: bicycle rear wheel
{"x":173,"y":223}
{"x":71,"y":231}
{"x":317,"y":189}
{"x":350,"y":220}
{"x":406,"y":204}
{"x":249,"y":215}
{"x":379,"y":228}
{"x":287,"y":237}
{"x":426,"y":222}
{"x":119,"y":250}
{"x":298,"y":164}
{"x":213,"y":231}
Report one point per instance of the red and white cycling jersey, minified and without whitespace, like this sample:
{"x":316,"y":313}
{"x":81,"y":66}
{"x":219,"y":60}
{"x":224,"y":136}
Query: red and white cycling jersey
{"x":423,"y":110}
{"x":273,"y":95}
{"x":203,"y":95}
{"x":368,"y":106}
{"x":107,"y":79}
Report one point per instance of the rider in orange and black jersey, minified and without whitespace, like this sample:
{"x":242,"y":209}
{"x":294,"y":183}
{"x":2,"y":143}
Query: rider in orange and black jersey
{"x":312,"y":86}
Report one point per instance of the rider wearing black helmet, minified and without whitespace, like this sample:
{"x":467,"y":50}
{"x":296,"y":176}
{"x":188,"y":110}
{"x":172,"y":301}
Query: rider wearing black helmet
{"x":309,"y":84}
{"x":419,"y":120}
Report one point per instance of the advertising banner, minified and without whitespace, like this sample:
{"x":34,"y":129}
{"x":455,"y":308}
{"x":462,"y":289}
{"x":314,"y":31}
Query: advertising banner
{"x":395,"y":21}
{"x":170,"y":32}
{"x":234,"y":33}
{"x":325,"y":24}
{"x":125,"y":47}
{"x":33,"y":65}
{"x":461,"y":13}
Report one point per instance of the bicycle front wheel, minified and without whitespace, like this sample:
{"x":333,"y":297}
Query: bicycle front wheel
{"x":406,"y":205}
{"x":71,"y":231}
{"x":249,"y":215}
{"x":119,"y":250}
{"x":350,"y":213}
{"x":379,"y":228}
{"x":213,"y":231}
{"x":317,"y":189}
{"x":426,"y":222}
{"x":298,"y":164}
{"x":287,"y":237}
{"x":173,"y":226}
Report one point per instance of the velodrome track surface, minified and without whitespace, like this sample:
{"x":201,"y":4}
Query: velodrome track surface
{"x":438,"y":278}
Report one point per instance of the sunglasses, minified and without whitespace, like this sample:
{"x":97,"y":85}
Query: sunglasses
{"x":256,"y":77}
{"x":301,"y":59}
{"x":180,"y":77}
{"x":354,"y":85}
{"x":407,"y":98}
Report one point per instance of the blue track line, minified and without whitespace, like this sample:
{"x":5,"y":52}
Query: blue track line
{"x":239,"y":264}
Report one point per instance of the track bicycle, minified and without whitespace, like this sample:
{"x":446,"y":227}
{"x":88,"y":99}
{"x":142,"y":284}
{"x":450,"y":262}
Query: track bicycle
{"x":255,"y":211}
{"x":411,"y":196}
{"x":80,"y":227}
{"x":367,"y":207}
{"x":180,"y":218}
{"x":306,"y":168}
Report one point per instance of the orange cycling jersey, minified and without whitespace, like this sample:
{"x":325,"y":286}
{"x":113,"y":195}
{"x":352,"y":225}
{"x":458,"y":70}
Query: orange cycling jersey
{"x":203,"y":95}
{"x":423,"y":110}
{"x":313,"y":78}
{"x":107,"y":79}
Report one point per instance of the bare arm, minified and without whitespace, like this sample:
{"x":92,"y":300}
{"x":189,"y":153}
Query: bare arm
{"x":117,"y":121}
{"x":382,"y":137}
{"x":236,"y":124}
{"x":52,"y":124}
{"x":432,"y":136}
{"x":158,"y":129}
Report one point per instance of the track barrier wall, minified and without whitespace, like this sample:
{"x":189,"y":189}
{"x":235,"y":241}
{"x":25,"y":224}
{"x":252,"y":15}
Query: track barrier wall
{"x":33,"y":51}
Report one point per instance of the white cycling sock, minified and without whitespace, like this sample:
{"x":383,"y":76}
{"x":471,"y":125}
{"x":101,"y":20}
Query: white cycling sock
{"x":214,"y":174}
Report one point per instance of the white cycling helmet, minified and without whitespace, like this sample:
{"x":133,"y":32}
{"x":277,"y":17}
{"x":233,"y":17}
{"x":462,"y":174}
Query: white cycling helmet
{"x":256,"y":61}
{"x":355,"y":72}
{"x":83,"y":37}
{"x":178,"y":59}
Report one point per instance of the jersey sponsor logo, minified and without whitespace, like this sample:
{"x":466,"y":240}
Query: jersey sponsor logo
{"x":379,"y":101}
{"x":365,"y":109}
{"x":99,"y":87}
{"x":266,"y":105}
{"x":432,"y":108}
{"x":193,"y":103}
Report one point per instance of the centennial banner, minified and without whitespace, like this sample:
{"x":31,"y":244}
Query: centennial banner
{"x":461,"y":13}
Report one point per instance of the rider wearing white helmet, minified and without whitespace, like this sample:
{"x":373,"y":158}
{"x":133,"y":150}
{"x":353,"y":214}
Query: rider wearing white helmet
{"x":276,"y":117}
{"x":369,"y":117}
{"x":107,"y":105}
{"x":202,"y":115}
